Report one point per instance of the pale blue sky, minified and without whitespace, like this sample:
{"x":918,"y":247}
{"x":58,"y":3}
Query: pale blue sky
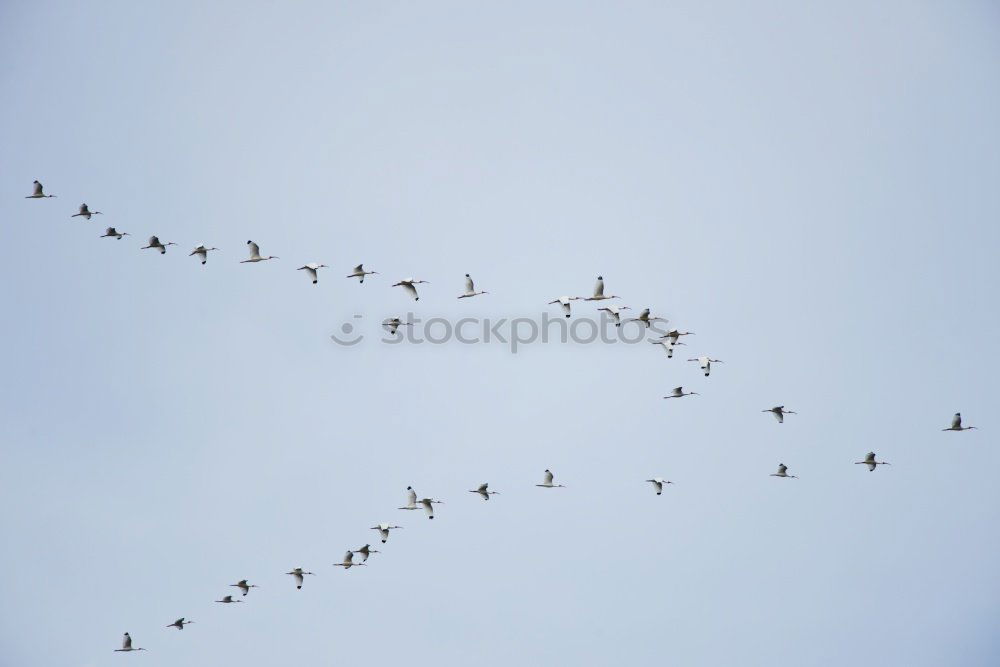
{"x":811,"y":187}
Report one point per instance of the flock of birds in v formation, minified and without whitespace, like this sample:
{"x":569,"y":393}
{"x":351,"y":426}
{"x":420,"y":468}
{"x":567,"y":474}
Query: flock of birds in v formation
{"x":668,"y":341}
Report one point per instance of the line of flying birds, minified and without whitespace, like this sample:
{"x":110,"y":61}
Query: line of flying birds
{"x":668,"y":341}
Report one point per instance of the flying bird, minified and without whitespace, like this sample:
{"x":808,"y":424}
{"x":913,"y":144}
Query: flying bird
{"x":383,"y":530}
{"x":311,"y":268}
{"x":564,"y":302}
{"x":667,"y":345}
{"x":156,"y":244}
{"x":548,"y":481}
{"x":956,"y":424}
{"x":599,"y":291}
{"x":871,"y":462}
{"x":706,"y":363}
{"x":615,"y":313}
{"x":127,"y":639}
{"x":409,"y":284}
{"x":658,"y":483}
{"x":180,"y":623}
{"x":679,"y":392}
{"x":428,"y":505}
{"x":779,"y":413}
{"x":366,"y":551}
{"x":470,"y":288}
{"x":111,"y":231}
{"x":255,"y":255}
{"x":484,"y":491}
{"x":674,"y":334}
{"x":85,"y":212}
{"x":348,"y":561}
{"x":392,"y":324}
{"x":360,"y":273}
{"x":411,"y":500}
{"x":299,"y":577}
{"x":244,"y":586}
{"x":202,"y":252}
{"x":782,"y":472}
{"x":37,"y":193}
{"x":645,"y":318}
{"x":228,"y":599}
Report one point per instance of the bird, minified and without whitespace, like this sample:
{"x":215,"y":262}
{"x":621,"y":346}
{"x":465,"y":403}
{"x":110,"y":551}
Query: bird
{"x":428,"y":505}
{"x":298,"y":574}
{"x":615,"y":313}
{"x":409,"y":284}
{"x":127,"y":639}
{"x":244,"y":586}
{"x":348,"y":561}
{"x":646,"y":319}
{"x":228,"y":599}
{"x":470,"y":288}
{"x":392,"y":324}
{"x":311,"y":268}
{"x":956,"y":424}
{"x":111,"y":231}
{"x":154,"y":242}
{"x":37,"y":193}
{"x":667,"y":345}
{"x":782,"y":472}
{"x":779,"y":413}
{"x":202,"y":252}
{"x":411,"y":500}
{"x":599,"y":291}
{"x":366,"y":551}
{"x":484,"y":491}
{"x":564,"y":302}
{"x":255,"y":255}
{"x":679,"y":392}
{"x":674,"y":334}
{"x":360,"y":273}
{"x":658,"y":483}
{"x":706,"y":363}
{"x":871,"y":462}
{"x":180,"y":623}
{"x":548,"y":481}
{"x":383,"y":530}
{"x":85,"y":212}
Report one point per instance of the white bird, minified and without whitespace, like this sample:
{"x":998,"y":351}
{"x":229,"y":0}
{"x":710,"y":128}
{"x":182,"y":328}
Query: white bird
{"x":956,"y":424}
{"x":255,"y":255}
{"x":180,"y":623}
{"x":428,"y":505}
{"x":782,"y":472}
{"x":548,"y":481}
{"x":155,"y":243}
{"x":37,"y":192}
{"x":646,"y":319}
{"x":298,"y":573}
{"x":360,"y":273}
{"x":658,"y":483}
{"x":409,"y":284}
{"x":411,"y":500}
{"x":871,"y":462}
{"x":127,"y":639}
{"x":615,"y":313}
{"x":484,"y":491}
{"x":679,"y":392}
{"x":564,"y":302}
{"x":392,"y":324}
{"x":244,"y":586}
{"x":111,"y":231}
{"x":470,"y":288}
{"x":348,"y":561}
{"x":599,"y":291}
{"x":85,"y":212}
{"x":311,"y":268}
{"x":228,"y":599}
{"x":674,"y":334}
{"x":202,"y":252}
{"x":667,"y":345}
{"x":366,"y":551}
{"x":383,"y":530}
{"x":706,"y":363}
{"x":779,"y":413}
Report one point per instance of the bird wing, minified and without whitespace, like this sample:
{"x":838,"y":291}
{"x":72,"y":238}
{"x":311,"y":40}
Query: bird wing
{"x":428,"y":506}
{"x":548,"y":477}
{"x":154,"y":241}
{"x":469,"y":285}
{"x":126,"y":641}
{"x":411,"y":497}
{"x":254,"y":249}
{"x":777,"y":415}
{"x":482,"y":487}
{"x":956,"y":421}
{"x":411,"y":290}
{"x":359,"y":268}
{"x":599,"y":287}
{"x":38,"y":188}
{"x":298,"y":578}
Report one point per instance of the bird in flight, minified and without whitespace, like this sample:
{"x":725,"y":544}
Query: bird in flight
{"x":645,"y":318}
{"x":548,"y":479}
{"x":470,"y":289}
{"x":255,"y":255}
{"x":706,"y":363}
{"x":202,"y":252}
{"x":779,"y":413}
{"x":393,"y":323}
{"x":348,"y":561}
{"x":658,"y":483}
{"x":365,"y":552}
{"x":599,"y":291}
{"x":38,"y":193}
{"x":615,"y":313}
{"x":180,"y":623}
{"x":484,"y":491}
{"x":667,"y":345}
{"x":383,"y":530}
{"x":228,"y":599}
{"x":111,"y":231}
{"x":85,"y":212}
{"x":127,"y":645}
{"x":299,"y":578}
{"x":360,"y":273}
{"x":311,"y":268}
{"x":411,"y":500}
{"x":679,"y":392}
{"x":871,"y":462}
{"x":428,"y":505}
{"x":410,"y":285}
{"x":156,"y":244}
{"x":782,"y":472}
{"x":244,"y":586}
{"x":564,"y":302}
{"x":956,"y":424}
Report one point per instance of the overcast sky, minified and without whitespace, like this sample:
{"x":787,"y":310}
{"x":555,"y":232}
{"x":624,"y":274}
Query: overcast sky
{"x":810,"y":187}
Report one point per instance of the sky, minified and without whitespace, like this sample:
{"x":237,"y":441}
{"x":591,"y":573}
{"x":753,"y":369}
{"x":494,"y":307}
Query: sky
{"x":809,"y":187}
